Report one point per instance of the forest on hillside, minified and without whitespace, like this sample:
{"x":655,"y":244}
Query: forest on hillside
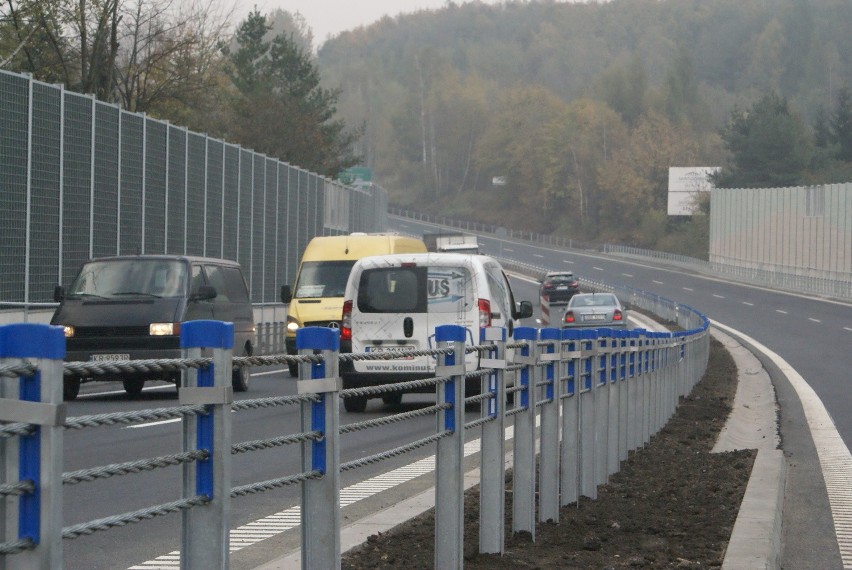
{"x":576,"y":110}
{"x":581,"y":108}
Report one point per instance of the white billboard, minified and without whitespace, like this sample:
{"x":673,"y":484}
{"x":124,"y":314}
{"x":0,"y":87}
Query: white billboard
{"x":685,"y":182}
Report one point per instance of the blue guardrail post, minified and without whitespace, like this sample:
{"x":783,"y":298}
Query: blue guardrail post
{"x":523,"y":481}
{"x":205,"y":532}
{"x":321,"y":497}
{"x":449,"y":457}
{"x":34,"y":399}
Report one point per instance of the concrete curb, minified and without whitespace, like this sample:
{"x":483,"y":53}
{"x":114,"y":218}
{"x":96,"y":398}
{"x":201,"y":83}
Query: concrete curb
{"x":755,"y":541}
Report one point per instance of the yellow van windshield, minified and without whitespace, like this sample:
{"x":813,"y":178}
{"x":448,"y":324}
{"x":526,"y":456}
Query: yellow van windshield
{"x":323,"y":279}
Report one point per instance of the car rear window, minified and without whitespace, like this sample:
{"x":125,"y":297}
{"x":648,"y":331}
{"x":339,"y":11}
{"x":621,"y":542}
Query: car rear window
{"x":414,"y":290}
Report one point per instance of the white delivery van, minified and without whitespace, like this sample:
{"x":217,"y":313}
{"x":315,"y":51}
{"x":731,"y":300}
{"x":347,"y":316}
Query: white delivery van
{"x":395,"y":302}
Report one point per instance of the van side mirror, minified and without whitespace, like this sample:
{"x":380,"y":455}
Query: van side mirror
{"x":204,"y":293}
{"x":286,"y":294}
{"x":525,"y":310}
{"x":59,"y":293}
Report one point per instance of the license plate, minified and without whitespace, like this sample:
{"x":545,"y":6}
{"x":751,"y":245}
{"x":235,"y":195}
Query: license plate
{"x":562,"y":288}
{"x":387,"y":348}
{"x":106,"y":357}
{"x":594,"y":317}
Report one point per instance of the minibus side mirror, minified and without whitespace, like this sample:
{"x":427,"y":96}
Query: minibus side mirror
{"x":59,"y":293}
{"x":286,"y":294}
{"x":524,"y":311}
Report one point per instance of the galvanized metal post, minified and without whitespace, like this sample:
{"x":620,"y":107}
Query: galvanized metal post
{"x":523,"y":481}
{"x":627,"y":355}
{"x":321,"y":497}
{"x":613,"y":346}
{"x":205,"y":532}
{"x":548,"y":504}
{"x":601,"y":405}
{"x":35,"y":516}
{"x":492,"y":500}
{"x":449,"y":458}
{"x":588,"y":484}
{"x":569,"y":456}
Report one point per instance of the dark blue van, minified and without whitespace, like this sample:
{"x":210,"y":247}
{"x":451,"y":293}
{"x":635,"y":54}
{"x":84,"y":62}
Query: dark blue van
{"x":132,"y":307}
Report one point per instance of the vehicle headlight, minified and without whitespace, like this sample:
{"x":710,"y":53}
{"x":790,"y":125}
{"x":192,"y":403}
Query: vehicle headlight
{"x":292,"y":325}
{"x":69,"y":331}
{"x":164,"y":329}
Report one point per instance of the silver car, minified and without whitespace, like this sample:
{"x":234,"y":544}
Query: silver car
{"x":594,"y":310}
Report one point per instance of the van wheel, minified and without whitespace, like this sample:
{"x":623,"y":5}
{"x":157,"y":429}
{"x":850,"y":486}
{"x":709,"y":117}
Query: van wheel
{"x":70,"y":388}
{"x":240,"y":379}
{"x":392,"y":398}
{"x":355,"y":405}
{"x":133,"y":385}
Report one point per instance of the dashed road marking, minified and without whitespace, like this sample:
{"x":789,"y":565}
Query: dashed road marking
{"x":627,"y":275}
{"x":598,"y":268}
{"x":688,"y":289}
{"x":747,"y":303}
{"x":718,"y":296}
{"x":657,"y":282}
{"x":567,"y":261}
{"x":814,"y":320}
{"x":781,"y":311}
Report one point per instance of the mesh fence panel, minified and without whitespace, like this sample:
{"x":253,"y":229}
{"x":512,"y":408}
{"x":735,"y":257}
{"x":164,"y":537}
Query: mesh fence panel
{"x":156,"y":179}
{"x":231,"y":200}
{"x":14,"y":114}
{"x":213,"y":208}
{"x":196,"y":154}
{"x":176,"y":192}
{"x":104,"y":224}
{"x":45,"y":187}
{"x":97,"y":181}
{"x":77,"y":184}
{"x":131,"y":177}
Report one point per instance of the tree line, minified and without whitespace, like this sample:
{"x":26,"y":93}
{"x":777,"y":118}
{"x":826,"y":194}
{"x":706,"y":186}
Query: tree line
{"x":550,"y":116}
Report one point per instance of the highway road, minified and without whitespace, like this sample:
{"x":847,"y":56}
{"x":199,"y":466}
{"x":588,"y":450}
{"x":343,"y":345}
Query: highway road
{"x":813,"y":335}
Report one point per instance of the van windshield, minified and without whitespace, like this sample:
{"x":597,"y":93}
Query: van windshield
{"x":131,"y":277}
{"x":323,"y":279}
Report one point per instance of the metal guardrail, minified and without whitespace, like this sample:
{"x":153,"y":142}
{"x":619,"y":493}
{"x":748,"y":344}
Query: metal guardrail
{"x":600,"y":393}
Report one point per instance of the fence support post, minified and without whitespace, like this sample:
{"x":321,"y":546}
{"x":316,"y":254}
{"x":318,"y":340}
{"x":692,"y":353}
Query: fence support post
{"x":321,"y":497}
{"x":523,"y":481}
{"x":570,"y":453}
{"x":548,"y":504}
{"x":205,"y":530}
{"x":601,"y":404}
{"x":449,"y":458}
{"x":588,"y":484}
{"x":37,"y":457}
{"x":492,"y":499}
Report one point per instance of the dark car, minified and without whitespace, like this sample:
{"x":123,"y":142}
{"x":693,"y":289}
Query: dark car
{"x":559,"y":287}
{"x":131,"y":308}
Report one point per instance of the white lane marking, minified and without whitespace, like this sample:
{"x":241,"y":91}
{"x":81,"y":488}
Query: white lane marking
{"x":688,"y":289}
{"x":847,"y":328}
{"x":747,"y":303}
{"x":834,"y":457}
{"x":267,"y":527}
{"x":568,"y":261}
{"x":598,"y":268}
{"x":718,"y":296}
{"x":507,"y":249}
{"x":814,"y":320}
{"x":780,"y":311}
{"x":538,"y":255}
{"x":657,"y":282}
{"x":627,"y":275}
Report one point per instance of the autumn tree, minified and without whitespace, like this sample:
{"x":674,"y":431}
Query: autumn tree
{"x":841,"y":125}
{"x":281,"y":109}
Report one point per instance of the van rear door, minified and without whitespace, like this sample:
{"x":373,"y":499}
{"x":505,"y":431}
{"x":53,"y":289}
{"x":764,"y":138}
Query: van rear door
{"x":391,"y":315}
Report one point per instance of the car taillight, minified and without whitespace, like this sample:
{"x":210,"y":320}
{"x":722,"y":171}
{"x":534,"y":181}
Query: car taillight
{"x":547,"y":284}
{"x":569,"y":317}
{"x":616,"y":316}
{"x":574,"y":284}
{"x":484,"y":313}
{"x":346,"y":321}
